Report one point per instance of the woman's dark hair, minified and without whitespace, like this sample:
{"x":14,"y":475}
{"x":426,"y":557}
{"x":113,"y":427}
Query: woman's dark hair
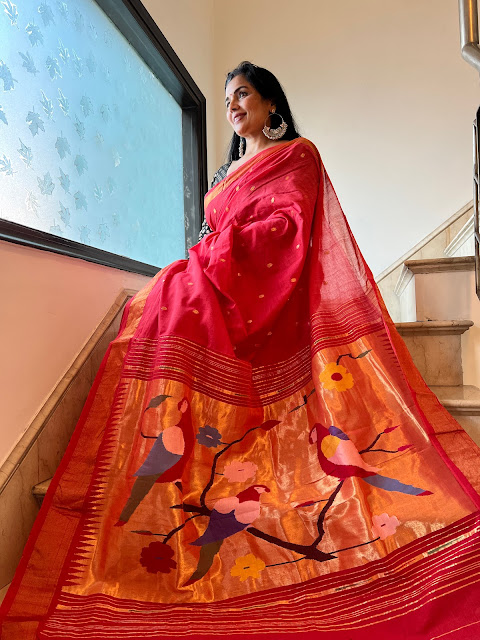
{"x":269,"y":88}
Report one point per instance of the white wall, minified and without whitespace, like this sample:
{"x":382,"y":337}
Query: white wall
{"x":380,"y":87}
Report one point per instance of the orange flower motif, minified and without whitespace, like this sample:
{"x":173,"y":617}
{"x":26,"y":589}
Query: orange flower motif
{"x":248,"y":566}
{"x":334,"y":376}
{"x":384,"y":525}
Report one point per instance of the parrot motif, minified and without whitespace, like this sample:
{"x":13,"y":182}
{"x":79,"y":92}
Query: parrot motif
{"x":229,"y":516}
{"x":165,"y":462}
{"x":339,"y":457}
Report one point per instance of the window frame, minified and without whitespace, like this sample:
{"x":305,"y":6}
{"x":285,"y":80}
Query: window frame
{"x":170,"y":71}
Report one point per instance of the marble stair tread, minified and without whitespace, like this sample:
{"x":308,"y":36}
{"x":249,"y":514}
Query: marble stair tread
{"x":39,"y":490}
{"x":433,"y":327}
{"x":464,"y":399}
{"x":438,"y":265}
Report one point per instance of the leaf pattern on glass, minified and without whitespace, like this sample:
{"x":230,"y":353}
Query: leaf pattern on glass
{"x":79,"y":21}
{"x":34,"y":34}
{"x":103,"y":232}
{"x":47,"y":106}
{"x":111,"y":186}
{"x":63,"y":102}
{"x":31,"y":202}
{"x":115,"y":219}
{"x":28,"y":63}
{"x":87,"y":106}
{"x":53,"y":68}
{"x":98,"y":193}
{"x":116,"y":157}
{"x":45,"y":184}
{"x":92,"y":31}
{"x":35,"y":122}
{"x":84,"y":234}
{"x":64,"y":181}
{"x":63,"y":9}
{"x":3,"y":116}
{"x":79,"y":128}
{"x":81,"y":164}
{"x":91,"y":63}
{"x":64,"y":214}
{"x":62,"y":146}
{"x":11,"y":11}
{"x":105,"y":112}
{"x":63,"y":52}
{"x":6,"y":166}
{"x":80,"y":201}
{"x":77,"y":64}
{"x":56,"y":229}
{"x":46,"y":13}
{"x":99,"y":139}
{"x":6,"y":76}
{"x":25,"y":154}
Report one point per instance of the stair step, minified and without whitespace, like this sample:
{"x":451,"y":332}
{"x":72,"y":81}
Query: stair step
{"x":436,"y":349}
{"x":433,"y":327}
{"x":463,"y":403}
{"x":39,"y":490}
{"x":439,"y":265}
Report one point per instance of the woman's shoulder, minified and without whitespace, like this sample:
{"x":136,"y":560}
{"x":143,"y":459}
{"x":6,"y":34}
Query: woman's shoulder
{"x":305,"y":142}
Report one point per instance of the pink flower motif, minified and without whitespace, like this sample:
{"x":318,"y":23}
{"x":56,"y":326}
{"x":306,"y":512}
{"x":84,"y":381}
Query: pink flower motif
{"x":238,"y":471}
{"x":384,"y":525}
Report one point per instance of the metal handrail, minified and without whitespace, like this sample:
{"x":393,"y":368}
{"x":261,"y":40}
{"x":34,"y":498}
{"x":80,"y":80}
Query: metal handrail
{"x":468,"y":12}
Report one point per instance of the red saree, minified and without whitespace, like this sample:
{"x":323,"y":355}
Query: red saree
{"x":258,"y":456}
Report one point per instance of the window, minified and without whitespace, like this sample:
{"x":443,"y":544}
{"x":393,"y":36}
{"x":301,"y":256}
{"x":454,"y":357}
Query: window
{"x":102,"y":134}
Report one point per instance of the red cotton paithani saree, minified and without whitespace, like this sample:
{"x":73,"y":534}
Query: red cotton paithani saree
{"x":258,"y":456}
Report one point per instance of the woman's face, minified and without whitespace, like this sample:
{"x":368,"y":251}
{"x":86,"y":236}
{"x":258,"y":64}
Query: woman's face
{"x":246,"y":109}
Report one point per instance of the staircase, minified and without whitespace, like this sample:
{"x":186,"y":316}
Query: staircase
{"x":441,"y":328}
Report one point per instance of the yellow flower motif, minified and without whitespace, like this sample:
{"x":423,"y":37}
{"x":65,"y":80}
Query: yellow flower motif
{"x":334,"y":376}
{"x":248,"y":566}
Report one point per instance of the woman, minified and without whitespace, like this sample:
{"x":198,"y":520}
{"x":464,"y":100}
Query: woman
{"x":258,"y":455}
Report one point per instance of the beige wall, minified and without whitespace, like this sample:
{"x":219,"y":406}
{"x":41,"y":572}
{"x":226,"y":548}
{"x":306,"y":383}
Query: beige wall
{"x":51,"y":305}
{"x":380,"y":87}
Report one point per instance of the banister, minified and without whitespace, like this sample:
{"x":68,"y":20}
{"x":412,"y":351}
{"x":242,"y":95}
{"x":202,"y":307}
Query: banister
{"x":468,"y":12}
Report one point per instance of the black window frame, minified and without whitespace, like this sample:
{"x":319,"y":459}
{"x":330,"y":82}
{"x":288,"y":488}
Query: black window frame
{"x":170,"y":71}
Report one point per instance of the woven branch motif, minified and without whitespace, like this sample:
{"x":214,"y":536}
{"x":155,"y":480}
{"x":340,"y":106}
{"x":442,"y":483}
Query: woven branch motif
{"x":231,"y":515}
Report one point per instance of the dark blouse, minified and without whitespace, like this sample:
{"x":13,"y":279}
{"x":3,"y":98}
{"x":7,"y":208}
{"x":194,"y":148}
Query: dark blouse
{"x":220,"y":175}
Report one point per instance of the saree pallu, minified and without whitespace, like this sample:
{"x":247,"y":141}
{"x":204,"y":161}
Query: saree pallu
{"x":258,"y":456}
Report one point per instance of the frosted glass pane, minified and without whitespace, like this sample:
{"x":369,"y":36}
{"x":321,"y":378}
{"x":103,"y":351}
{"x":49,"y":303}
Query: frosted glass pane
{"x":90,"y":141}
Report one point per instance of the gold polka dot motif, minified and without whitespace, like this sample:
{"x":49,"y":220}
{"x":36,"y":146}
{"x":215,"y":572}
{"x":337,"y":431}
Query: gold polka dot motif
{"x":269,"y":265}
{"x":297,"y":247}
{"x":222,"y":260}
{"x":196,"y":311}
{"x":293,"y":279}
{"x":249,"y":321}
{"x":237,"y":188}
{"x":274,"y":228}
{"x":164,"y":308}
{"x":252,"y":188}
{"x":272,"y":200}
{"x":261,"y":295}
{"x":302,"y":155}
{"x":214,"y":211}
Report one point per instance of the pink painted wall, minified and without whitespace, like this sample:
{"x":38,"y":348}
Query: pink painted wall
{"x":50,"y":306}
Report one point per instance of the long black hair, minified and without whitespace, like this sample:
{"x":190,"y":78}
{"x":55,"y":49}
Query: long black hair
{"x":269,"y":88}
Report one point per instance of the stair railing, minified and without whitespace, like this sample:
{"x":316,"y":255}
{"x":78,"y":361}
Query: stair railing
{"x":468,"y":12}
